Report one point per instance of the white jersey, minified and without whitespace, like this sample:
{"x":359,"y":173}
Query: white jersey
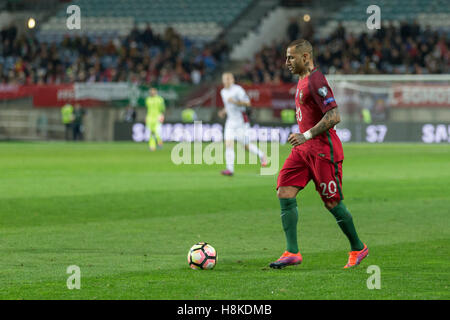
{"x":234,"y":111}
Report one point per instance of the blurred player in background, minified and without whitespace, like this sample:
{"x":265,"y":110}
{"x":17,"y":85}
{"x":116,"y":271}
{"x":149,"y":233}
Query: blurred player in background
{"x":235,"y":102}
{"x":155,"y":116}
{"x":316,"y":155}
{"x":67,"y":118}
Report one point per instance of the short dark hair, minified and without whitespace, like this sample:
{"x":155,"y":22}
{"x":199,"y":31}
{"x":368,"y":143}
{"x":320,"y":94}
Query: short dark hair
{"x":302,"y":45}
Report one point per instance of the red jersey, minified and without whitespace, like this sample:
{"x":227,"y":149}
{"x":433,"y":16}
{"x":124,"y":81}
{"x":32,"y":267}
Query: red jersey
{"x":313,"y":99}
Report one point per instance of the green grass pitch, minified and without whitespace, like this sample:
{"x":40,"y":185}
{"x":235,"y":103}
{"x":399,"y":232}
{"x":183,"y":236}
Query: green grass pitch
{"x":127,"y":217}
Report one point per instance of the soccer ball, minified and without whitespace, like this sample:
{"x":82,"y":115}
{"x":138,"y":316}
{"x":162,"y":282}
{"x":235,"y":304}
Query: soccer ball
{"x":202,"y":256}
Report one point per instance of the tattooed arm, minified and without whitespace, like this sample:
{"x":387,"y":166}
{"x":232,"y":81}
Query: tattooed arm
{"x":328,"y":121}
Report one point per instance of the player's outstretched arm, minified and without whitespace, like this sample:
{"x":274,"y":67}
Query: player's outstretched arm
{"x":328,"y":121}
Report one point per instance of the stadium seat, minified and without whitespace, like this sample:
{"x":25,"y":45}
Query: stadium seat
{"x":424,"y":11}
{"x":219,"y":13}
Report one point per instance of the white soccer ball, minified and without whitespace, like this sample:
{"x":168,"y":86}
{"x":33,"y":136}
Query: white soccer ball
{"x":202,"y":256}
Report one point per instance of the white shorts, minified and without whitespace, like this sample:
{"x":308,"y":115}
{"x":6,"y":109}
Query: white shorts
{"x":237,"y":131}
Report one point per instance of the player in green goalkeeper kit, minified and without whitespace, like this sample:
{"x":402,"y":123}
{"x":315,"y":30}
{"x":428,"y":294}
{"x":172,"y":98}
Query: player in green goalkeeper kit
{"x":155,"y":116}
{"x":67,"y":118}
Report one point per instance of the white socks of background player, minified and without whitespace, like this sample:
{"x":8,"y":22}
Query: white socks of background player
{"x":254,"y":149}
{"x":229,"y":158}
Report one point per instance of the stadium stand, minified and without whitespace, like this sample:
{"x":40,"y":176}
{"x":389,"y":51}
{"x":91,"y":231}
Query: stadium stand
{"x":407,"y":49}
{"x":166,"y":42}
{"x":201,"y":20}
{"x":435,"y":13}
{"x":140,"y":56}
{"x":182,"y":41}
{"x":411,"y":41}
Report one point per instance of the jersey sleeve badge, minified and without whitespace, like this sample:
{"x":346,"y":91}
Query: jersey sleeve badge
{"x":323,"y":91}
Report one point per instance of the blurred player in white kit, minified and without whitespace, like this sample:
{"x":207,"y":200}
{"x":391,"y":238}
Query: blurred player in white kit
{"x":237,"y":124}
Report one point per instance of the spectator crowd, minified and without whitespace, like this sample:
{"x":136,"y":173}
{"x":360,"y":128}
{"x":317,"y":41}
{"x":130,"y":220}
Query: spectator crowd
{"x":148,"y":58}
{"x":140,"y":57}
{"x":403,"y":49}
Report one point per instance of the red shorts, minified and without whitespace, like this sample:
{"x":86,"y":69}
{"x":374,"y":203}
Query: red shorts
{"x":300,"y":167}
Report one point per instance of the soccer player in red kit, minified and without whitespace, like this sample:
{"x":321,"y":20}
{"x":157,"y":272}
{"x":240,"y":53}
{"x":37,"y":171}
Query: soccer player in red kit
{"x":316,"y":155}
